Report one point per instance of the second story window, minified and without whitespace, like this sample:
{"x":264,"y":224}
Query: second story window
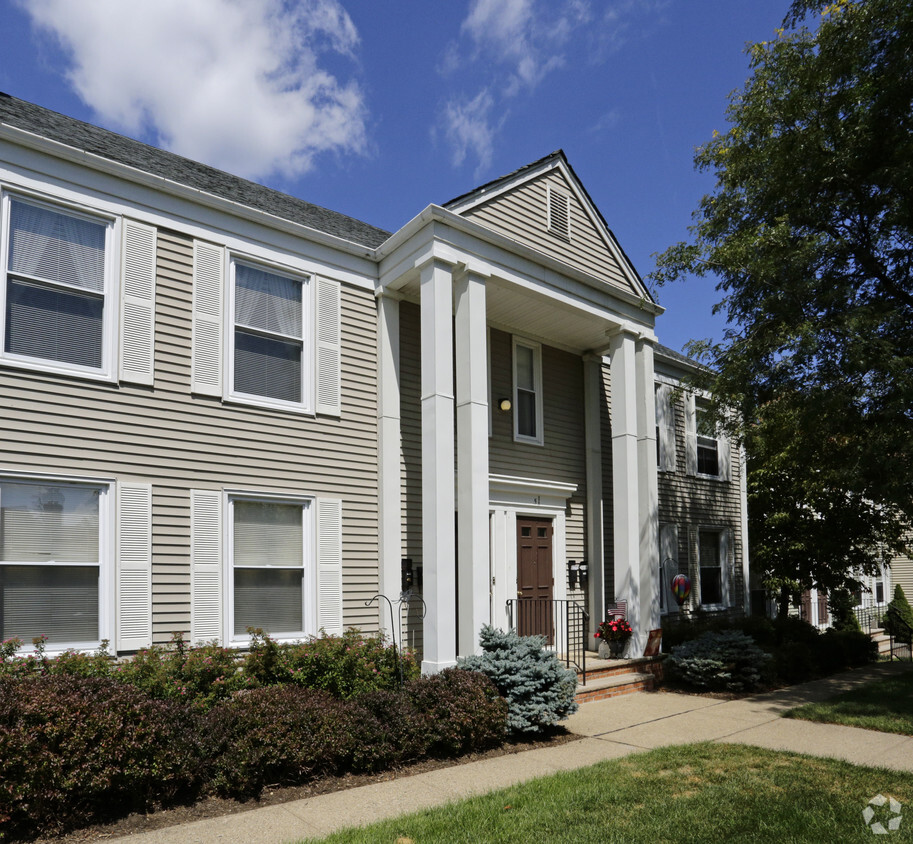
{"x":269,"y":354}
{"x":527,"y":392}
{"x":55,"y":291}
{"x":708,"y":458}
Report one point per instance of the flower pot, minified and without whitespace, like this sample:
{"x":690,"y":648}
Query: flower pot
{"x":617,"y":647}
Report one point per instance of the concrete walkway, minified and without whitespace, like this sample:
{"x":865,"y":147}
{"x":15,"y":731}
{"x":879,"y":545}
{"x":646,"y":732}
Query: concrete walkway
{"x":611,"y":728}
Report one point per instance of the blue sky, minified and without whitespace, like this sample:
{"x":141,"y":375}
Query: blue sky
{"x":377,"y":109}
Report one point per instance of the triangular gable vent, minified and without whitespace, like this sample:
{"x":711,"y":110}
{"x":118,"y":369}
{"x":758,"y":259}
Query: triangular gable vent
{"x":559,"y":218}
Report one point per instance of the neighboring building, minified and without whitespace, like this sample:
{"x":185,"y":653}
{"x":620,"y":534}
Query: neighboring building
{"x":703,"y":513}
{"x":224,"y":407}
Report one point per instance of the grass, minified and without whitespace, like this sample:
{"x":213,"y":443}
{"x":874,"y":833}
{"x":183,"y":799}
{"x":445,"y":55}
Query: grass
{"x":690,"y":793}
{"x":885,"y":705}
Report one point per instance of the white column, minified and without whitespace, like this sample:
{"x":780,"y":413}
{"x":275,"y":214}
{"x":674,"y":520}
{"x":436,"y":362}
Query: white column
{"x":593,"y":397}
{"x":438,"y":500}
{"x":648,"y":497}
{"x":389,"y":504}
{"x":625,"y":492}
{"x":474,"y":570}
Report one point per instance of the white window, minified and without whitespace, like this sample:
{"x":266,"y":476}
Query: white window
{"x":708,"y":457}
{"x":708,"y":451}
{"x":270,"y":347}
{"x":665,"y":428}
{"x":54,"y":572}
{"x":713,"y":557}
{"x":527,"y":391}
{"x":272,"y":579}
{"x":56,"y":290}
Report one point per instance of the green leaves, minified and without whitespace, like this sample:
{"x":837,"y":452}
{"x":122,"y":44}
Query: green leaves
{"x":809,"y":233}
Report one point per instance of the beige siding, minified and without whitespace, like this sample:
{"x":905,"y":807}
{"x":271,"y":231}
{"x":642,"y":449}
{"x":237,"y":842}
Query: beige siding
{"x":176,"y":441}
{"x":692,"y":502}
{"x":901,"y":575}
{"x":522,"y":215}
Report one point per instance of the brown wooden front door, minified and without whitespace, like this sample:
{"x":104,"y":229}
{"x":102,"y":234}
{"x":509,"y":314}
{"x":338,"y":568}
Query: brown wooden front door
{"x":534,"y":577}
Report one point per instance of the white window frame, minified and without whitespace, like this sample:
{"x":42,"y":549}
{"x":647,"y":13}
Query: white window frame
{"x":308,"y":339}
{"x":110,"y":308}
{"x":724,"y":552}
{"x":536,"y":349}
{"x":700,"y":406}
{"x":309,"y":584}
{"x":106,"y":545}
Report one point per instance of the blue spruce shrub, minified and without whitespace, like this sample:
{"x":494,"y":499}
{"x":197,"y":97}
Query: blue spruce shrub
{"x":725,"y":660}
{"x":538,"y":688}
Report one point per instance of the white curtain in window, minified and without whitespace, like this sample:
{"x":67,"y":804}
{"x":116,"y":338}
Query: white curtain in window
{"x":56,"y":247}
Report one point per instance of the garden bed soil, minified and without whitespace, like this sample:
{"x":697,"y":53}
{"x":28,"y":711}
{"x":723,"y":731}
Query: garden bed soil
{"x":212,"y":807}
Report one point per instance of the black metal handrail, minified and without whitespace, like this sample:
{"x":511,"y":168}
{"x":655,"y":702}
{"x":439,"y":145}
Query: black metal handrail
{"x":869,"y":618}
{"x":901,"y":639}
{"x":562,"y":622}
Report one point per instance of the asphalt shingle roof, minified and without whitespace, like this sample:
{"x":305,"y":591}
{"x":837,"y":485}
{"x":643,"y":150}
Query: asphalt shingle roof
{"x":106,"y":144}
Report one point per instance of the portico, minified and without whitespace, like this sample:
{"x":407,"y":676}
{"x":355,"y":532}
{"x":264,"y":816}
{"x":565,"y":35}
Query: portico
{"x":469,"y":282}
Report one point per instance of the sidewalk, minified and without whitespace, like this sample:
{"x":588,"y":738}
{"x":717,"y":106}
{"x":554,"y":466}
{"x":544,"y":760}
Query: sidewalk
{"x":611,"y":728}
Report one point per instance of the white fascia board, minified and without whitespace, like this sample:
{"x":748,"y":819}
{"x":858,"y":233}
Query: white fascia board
{"x":491,"y":253}
{"x":37,"y":164}
{"x":557,"y":163}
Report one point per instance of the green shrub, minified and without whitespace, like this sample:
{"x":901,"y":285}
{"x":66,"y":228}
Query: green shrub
{"x":38,"y":663}
{"x":76,"y":750}
{"x":841,"y":603}
{"x":840,"y":649}
{"x":898,"y":620}
{"x":539,"y":690}
{"x":458,"y":711}
{"x":726,"y":660}
{"x":346,"y":666}
{"x":197,"y":676}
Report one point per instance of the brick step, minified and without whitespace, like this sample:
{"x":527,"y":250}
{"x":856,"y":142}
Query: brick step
{"x":600,"y":668}
{"x":614,"y":685}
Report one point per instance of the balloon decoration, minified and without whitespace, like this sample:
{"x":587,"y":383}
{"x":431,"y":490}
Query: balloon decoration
{"x":681,"y":588}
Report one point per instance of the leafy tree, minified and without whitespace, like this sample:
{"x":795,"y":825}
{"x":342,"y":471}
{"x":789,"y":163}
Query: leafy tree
{"x":809,"y":232}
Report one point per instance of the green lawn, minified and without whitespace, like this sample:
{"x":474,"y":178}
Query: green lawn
{"x":691,"y":793}
{"x":885,"y":705}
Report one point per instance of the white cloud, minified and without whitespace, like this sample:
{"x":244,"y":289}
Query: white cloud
{"x":234,"y":83}
{"x":469,"y":129}
{"x":517,"y":43}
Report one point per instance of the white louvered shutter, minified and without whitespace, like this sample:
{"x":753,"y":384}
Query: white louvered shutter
{"x":205,"y":565}
{"x":328,"y":347}
{"x":665,"y":423}
{"x":690,"y":435}
{"x":725,"y":564}
{"x":668,"y":558}
{"x":724,"y":452}
{"x":208,"y":282}
{"x":134,"y":566}
{"x":329,"y":565}
{"x":137,"y":323}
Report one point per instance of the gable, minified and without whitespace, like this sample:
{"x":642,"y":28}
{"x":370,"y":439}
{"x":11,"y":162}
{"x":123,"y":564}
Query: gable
{"x":522,"y":212}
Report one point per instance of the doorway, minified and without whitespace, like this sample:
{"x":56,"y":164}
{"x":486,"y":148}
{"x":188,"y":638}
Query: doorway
{"x":535,"y":581}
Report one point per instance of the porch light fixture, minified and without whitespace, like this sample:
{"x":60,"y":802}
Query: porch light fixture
{"x":504,"y":405}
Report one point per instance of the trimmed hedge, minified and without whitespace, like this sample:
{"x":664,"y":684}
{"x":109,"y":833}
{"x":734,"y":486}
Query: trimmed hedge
{"x":727,"y":660}
{"x":177,"y":722}
{"x":75,"y":750}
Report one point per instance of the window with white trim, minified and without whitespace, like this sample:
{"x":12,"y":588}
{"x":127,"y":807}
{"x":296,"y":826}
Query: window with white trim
{"x":53,"y":561}
{"x":270,"y":351}
{"x":713,"y":566}
{"x":527,"y":391}
{"x":56,"y":291}
{"x":271,"y":578}
{"x":708,"y":446}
